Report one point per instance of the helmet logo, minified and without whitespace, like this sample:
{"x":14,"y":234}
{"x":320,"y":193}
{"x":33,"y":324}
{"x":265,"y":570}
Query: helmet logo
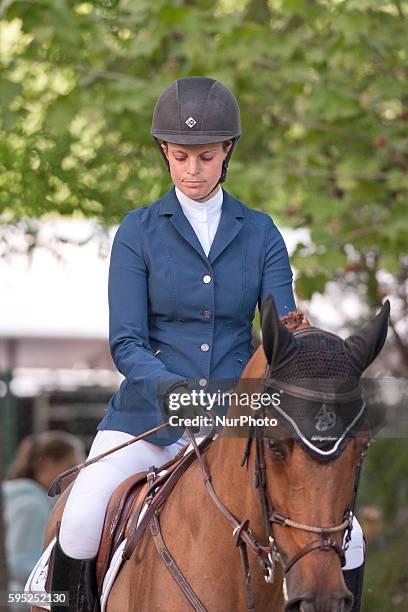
{"x":191,"y":122}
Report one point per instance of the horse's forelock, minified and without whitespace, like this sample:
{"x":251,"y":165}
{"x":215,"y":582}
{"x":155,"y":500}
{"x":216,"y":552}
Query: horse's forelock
{"x":296,"y":319}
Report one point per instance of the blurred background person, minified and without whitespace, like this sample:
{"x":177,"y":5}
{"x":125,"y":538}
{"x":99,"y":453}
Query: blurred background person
{"x":26,"y":505}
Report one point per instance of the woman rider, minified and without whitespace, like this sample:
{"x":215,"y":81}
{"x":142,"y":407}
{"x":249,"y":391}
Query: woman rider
{"x":186,"y":274}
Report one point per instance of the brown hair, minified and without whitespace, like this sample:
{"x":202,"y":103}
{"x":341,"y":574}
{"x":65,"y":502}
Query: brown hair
{"x":225,"y":143}
{"x":34,"y":448}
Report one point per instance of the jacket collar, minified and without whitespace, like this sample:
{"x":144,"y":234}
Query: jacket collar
{"x":228,"y":227}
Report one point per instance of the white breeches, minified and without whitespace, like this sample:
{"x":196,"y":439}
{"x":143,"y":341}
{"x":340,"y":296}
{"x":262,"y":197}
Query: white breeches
{"x":355,"y":553}
{"x":84,"y":513}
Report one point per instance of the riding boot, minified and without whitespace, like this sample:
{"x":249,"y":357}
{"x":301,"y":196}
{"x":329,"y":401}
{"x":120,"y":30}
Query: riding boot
{"x":354,"y":582}
{"x":75,"y":576}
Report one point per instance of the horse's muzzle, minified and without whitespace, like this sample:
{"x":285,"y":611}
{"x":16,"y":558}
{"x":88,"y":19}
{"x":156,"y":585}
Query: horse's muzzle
{"x":340,"y":601}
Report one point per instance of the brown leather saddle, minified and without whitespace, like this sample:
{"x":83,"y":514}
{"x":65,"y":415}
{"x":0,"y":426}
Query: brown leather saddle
{"x":128,"y":499}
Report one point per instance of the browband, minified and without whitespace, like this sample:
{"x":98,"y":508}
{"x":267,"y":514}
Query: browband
{"x":309,"y":394}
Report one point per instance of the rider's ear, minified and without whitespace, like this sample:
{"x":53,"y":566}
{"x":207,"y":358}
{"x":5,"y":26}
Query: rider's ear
{"x":364,"y":346}
{"x":278,"y":342}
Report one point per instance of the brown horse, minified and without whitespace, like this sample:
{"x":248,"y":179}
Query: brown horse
{"x":307,"y":502}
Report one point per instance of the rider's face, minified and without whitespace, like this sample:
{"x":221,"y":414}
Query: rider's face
{"x":195,"y":169}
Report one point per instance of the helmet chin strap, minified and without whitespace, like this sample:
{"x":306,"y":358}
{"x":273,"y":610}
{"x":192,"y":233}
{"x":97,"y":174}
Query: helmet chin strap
{"x":206,"y":196}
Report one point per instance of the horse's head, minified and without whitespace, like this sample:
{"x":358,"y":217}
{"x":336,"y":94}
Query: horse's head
{"x":312,"y":457}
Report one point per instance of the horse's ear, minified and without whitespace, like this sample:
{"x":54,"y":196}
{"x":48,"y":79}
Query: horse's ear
{"x":364,"y":346}
{"x":277,"y":340}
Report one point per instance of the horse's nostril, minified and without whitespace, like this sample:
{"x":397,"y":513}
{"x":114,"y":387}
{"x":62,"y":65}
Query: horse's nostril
{"x":293,"y":607}
{"x":347,"y":603}
{"x":307,"y":607}
{"x":296,"y":605}
{"x":335,"y":604}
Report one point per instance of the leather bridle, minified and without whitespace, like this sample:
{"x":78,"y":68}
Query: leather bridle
{"x":271,"y":515}
{"x":325,"y":541}
{"x":269,"y":555}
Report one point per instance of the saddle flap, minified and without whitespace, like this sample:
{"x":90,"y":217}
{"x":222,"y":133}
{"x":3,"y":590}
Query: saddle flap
{"x":120,"y":506}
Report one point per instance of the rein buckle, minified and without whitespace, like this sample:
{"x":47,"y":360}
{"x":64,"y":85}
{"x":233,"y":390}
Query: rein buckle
{"x":326,"y":543}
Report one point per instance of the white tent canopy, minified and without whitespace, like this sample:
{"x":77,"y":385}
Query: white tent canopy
{"x":60,"y":289}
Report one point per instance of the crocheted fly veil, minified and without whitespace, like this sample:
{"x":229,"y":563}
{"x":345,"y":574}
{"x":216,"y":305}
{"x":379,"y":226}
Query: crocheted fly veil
{"x":317,"y":376}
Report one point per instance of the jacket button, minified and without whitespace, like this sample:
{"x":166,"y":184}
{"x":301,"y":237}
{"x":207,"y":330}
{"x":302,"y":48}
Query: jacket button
{"x":202,"y":382}
{"x":205,"y":347}
{"x":207,"y":278}
{"x":206,"y":314}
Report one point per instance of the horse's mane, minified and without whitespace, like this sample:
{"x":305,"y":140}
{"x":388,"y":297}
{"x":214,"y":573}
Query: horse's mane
{"x":295,"y":319}
{"x":255,"y":368}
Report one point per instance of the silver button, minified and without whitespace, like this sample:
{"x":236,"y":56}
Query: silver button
{"x":205,"y":347}
{"x":207,"y":278}
{"x":202,"y":382}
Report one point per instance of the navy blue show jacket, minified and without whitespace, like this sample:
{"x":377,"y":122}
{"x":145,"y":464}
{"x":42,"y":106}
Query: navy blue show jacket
{"x":176,"y":314}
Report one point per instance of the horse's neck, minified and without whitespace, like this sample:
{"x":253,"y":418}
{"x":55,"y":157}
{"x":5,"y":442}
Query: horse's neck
{"x":235,"y":484}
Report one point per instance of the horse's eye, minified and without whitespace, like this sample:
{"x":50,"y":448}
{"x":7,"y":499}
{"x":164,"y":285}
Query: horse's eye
{"x":276,"y":449}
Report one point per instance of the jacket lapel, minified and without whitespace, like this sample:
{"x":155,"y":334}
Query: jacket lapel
{"x":228,"y":226}
{"x":171,"y":206}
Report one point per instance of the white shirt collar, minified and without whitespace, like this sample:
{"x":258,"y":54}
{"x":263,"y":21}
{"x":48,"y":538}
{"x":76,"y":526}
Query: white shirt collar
{"x":201,"y":210}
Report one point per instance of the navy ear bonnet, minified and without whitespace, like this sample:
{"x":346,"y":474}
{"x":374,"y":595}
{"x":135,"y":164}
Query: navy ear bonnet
{"x":321,"y":402}
{"x":318,"y":378}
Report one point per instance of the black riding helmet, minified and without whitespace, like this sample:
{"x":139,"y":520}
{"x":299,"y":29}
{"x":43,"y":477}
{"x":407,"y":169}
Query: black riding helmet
{"x":197,"y":110}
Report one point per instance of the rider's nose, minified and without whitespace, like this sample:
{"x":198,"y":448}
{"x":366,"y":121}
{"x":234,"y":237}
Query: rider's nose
{"x":192,"y":168}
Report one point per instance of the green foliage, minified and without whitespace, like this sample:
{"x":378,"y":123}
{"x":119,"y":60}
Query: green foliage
{"x":385,"y":484}
{"x":322,"y":91}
